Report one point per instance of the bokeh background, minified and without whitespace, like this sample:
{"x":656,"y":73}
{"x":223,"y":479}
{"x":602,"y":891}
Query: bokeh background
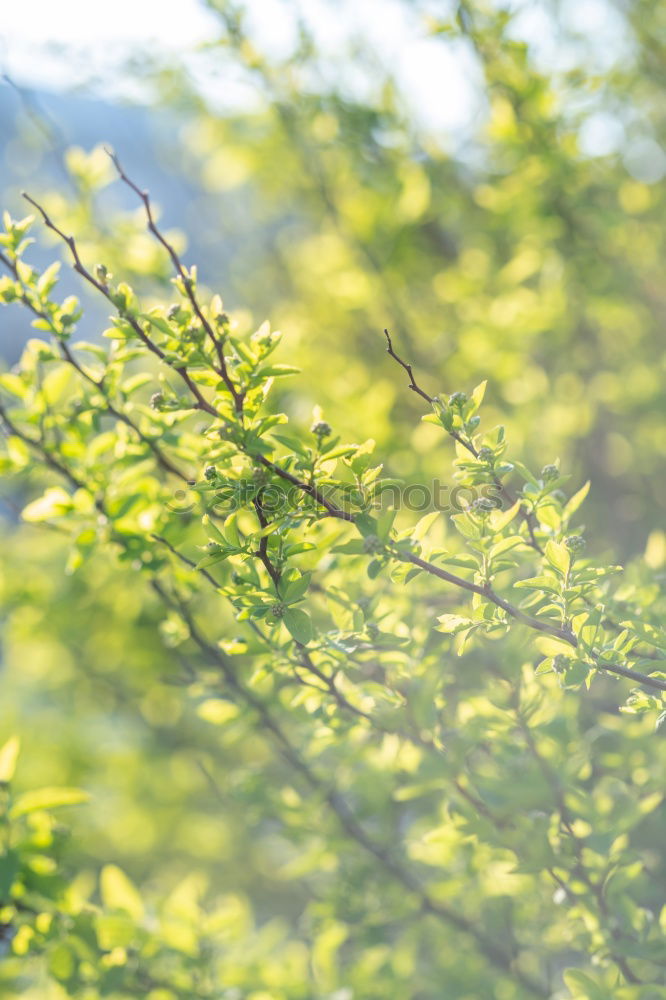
{"x":484,"y":179}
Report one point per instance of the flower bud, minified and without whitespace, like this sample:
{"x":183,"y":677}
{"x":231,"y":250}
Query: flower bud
{"x":458,"y":400}
{"x":321,"y":429}
{"x":157,"y":401}
{"x":550,"y":473}
{"x":483,"y":506}
{"x":210,"y":472}
{"x":486,"y":455}
{"x":559,"y":663}
{"x":575,"y":543}
{"x":372,"y":544}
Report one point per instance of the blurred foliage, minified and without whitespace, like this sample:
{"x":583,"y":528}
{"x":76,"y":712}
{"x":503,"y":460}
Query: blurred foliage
{"x":515,"y":254}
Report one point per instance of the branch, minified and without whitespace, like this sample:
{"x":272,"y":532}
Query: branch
{"x":332,"y":509}
{"x":506,"y":494}
{"x":345,"y":816}
{"x":223,"y":370}
{"x":270,"y":567}
{"x":79,"y":267}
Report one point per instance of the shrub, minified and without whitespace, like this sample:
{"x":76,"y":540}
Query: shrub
{"x":455,"y":803}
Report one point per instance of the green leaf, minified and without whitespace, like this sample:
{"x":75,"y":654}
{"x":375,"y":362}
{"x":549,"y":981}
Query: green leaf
{"x":8,"y":757}
{"x":545,"y":583}
{"x":14,"y":384}
{"x":295,"y":589}
{"x":558,"y":557}
{"x":477,"y":396}
{"x":549,"y":645}
{"x":278,"y":370}
{"x":298,"y":624}
{"x":646,"y":632}
{"x":583,"y":987}
{"x":47,"y":798}
{"x":118,"y":892}
{"x":55,"y":503}
{"x":452,"y":624}
{"x":423,"y":526}
{"x":576,"y":500}
{"x":499,"y":519}
{"x":367,"y":525}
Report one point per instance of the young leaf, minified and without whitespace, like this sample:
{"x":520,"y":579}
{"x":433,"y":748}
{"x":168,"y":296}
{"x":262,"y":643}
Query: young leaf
{"x":558,"y":556}
{"x":298,"y":625}
{"x":8,"y":757}
{"x":47,"y":798}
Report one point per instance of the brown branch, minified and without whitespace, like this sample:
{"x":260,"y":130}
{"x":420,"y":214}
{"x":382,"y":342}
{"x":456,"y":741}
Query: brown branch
{"x":262,"y":552}
{"x":345,"y":816}
{"x":332,"y":509}
{"x":223,"y":371}
{"x":99,"y":384}
{"x":154,"y":348}
{"x":413,"y":385}
{"x":505,"y":493}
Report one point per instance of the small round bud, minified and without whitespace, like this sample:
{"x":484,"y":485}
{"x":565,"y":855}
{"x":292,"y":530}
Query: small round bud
{"x":278,"y":610}
{"x":173,"y":311}
{"x":210,"y":473}
{"x":194,"y":334}
{"x":102,"y":274}
{"x":483,"y":506}
{"x":575,"y":543}
{"x":372,"y":544}
{"x":213,"y":548}
{"x":458,"y":400}
{"x":559,"y":663}
{"x":119,"y":299}
{"x":321,"y":429}
{"x":550,"y":473}
{"x":157,"y":401}
{"x":486,"y":455}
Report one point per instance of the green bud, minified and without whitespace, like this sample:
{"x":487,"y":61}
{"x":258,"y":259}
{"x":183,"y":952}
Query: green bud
{"x":278,"y":610}
{"x":486,"y":455}
{"x":210,"y":472}
{"x":550,"y":473}
{"x":321,"y":429}
{"x":575,"y":543}
{"x":559,"y":663}
{"x":157,"y":401}
{"x":372,"y":544}
{"x":458,"y":400}
{"x":194,"y":334}
{"x":482,"y":506}
{"x":213,"y":548}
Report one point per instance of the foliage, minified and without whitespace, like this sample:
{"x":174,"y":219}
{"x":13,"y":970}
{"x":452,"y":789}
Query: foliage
{"x":334,"y":672}
{"x":343,"y":734}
